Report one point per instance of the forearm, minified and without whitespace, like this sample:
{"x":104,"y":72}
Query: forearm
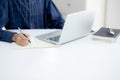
{"x":6,"y":35}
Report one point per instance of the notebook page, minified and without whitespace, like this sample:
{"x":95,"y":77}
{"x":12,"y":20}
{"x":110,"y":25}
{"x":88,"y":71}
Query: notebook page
{"x":35,"y":43}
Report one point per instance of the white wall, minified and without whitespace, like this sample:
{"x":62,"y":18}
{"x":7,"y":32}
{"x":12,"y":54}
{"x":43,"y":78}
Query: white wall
{"x":70,"y":6}
{"x":99,"y":6}
{"x":113,"y":14}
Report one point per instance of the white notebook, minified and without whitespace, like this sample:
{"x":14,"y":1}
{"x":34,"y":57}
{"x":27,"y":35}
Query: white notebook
{"x":35,"y":43}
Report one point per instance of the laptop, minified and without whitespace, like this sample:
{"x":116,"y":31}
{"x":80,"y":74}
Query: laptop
{"x":76,"y":26}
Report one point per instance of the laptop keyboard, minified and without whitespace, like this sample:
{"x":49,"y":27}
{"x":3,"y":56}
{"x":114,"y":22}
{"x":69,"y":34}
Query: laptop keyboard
{"x":55,"y":38}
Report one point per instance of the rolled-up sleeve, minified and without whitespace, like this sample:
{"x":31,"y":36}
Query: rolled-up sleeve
{"x":54,"y":17}
{"x":4,"y":35}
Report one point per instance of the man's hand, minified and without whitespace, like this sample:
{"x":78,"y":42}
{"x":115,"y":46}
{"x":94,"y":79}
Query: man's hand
{"x":20,"y":39}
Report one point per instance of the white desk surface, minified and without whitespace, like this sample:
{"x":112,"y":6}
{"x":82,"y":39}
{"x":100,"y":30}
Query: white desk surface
{"x":83,"y":59}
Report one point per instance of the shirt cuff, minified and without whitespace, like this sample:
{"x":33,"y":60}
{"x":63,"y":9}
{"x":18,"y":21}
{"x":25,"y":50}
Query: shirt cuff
{"x":7,"y":36}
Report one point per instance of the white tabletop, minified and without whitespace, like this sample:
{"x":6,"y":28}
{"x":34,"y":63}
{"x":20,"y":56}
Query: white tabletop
{"x":83,"y":59}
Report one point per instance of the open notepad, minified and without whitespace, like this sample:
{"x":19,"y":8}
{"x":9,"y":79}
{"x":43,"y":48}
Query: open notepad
{"x":35,"y":43}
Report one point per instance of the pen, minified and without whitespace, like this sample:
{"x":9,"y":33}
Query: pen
{"x":110,"y":32}
{"x":23,"y":34}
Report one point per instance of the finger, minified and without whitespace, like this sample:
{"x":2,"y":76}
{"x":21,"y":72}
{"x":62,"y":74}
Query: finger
{"x":21,"y":38}
{"x":28,"y":35}
{"x":24,"y":37}
{"x":22,"y":42}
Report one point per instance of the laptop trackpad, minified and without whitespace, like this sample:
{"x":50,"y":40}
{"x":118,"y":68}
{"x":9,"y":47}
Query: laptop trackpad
{"x":54,"y":36}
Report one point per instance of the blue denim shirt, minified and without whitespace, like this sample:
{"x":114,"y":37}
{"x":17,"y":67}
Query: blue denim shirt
{"x":28,"y":14}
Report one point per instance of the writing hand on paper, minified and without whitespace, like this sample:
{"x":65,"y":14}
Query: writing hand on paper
{"x":20,"y":39}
